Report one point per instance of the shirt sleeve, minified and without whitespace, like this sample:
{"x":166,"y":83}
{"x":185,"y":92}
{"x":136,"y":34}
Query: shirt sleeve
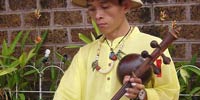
{"x":71,"y":83}
{"x":165,"y":87}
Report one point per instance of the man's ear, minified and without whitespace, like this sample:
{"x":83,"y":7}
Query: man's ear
{"x":127,"y":5}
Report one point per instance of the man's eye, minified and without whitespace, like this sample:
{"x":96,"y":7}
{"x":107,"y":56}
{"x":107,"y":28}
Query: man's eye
{"x":105,"y":7}
{"x":91,"y":9}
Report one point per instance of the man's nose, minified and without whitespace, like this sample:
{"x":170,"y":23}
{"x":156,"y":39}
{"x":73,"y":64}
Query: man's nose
{"x":99,"y":14}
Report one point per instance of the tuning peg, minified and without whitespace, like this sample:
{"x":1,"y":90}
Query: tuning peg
{"x":145,"y":54}
{"x":154,"y":44}
{"x":156,"y":70}
{"x":166,"y":60}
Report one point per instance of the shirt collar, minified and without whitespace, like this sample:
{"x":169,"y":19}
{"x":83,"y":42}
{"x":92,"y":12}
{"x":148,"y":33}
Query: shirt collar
{"x":135,"y":30}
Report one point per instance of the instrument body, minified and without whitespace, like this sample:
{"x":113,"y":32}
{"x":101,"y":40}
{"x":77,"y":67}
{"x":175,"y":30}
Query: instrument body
{"x":131,"y":65}
{"x":142,"y":65}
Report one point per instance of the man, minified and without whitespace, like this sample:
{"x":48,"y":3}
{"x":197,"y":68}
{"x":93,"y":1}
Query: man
{"x":92,"y":73}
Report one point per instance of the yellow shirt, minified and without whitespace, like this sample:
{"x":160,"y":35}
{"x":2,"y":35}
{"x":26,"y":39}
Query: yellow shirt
{"x":80,"y":82}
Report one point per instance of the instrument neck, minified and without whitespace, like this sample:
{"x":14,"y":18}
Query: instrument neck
{"x":121,"y":91}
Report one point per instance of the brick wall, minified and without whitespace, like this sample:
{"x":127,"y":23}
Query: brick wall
{"x":64,"y":21}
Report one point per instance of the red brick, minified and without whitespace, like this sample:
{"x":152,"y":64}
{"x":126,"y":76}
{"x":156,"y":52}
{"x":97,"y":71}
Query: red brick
{"x":2,"y":5}
{"x":174,"y":13}
{"x":196,"y":49}
{"x":195,"y":13}
{"x":68,"y":18}
{"x":44,"y":20}
{"x":10,"y":20}
{"x":19,"y":50}
{"x":57,"y":37}
{"x":89,"y":20}
{"x":46,"y":4}
{"x":159,"y":31}
{"x":3,"y":36}
{"x":22,"y":4}
{"x":198,"y":64}
{"x":142,"y":15}
{"x":30,"y":39}
{"x":190,"y":32}
{"x":177,"y":50}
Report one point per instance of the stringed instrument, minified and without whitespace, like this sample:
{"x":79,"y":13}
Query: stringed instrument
{"x":142,"y":65}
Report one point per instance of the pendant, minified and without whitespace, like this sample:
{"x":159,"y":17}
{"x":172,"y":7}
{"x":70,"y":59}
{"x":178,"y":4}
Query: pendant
{"x":113,"y":56}
{"x":94,"y":65}
{"x":97,"y":67}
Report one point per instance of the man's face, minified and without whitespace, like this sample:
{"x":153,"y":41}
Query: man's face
{"x":108,"y":14}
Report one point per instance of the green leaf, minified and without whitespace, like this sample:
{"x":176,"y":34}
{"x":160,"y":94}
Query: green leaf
{"x":96,"y":27}
{"x":22,"y":59}
{"x":53,"y":73}
{"x":38,"y":46}
{"x":73,"y":46}
{"x":182,"y":88}
{"x":184,"y":74}
{"x":9,"y":57}
{"x":93,"y":37}
{"x":7,"y":71}
{"x":195,"y":90}
{"x":31,"y":54}
{"x":84,"y":38}
{"x":59,"y":56}
{"x":1,"y":62}
{"x":52,"y":87}
{"x":14,"y":64}
{"x":14,"y":43}
{"x":8,"y":61}
{"x":24,"y":40}
{"x":180,"y":64}
{"x":30,"y":72}
{"x":23,"y":85}
{"x":67,"y":63}
{"x":22,"y":96}
{"x":11,"y":80}
{"x":193,"y":69}
{"x":5,"y":51}
{"x":16,"y":77}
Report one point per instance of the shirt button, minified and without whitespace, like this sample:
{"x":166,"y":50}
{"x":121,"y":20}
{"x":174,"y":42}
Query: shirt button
{"x":108,"y":78}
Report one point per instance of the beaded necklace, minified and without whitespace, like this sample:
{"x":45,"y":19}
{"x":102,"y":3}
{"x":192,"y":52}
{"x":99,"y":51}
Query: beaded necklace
{"x":113,"y":56}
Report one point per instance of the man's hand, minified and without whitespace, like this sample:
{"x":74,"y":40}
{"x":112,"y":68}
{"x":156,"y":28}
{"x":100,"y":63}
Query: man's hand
{"x":136,"y":84}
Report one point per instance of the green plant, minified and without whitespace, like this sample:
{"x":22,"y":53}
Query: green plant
{"x":189,"y":76}
{"x":12,"y":71}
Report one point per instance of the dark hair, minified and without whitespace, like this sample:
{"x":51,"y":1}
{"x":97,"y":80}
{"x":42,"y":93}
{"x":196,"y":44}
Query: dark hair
{"x":120,"y":1}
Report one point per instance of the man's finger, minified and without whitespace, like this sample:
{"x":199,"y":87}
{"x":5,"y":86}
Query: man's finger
{"x":136,"y":80}
{"x":126,"y":78}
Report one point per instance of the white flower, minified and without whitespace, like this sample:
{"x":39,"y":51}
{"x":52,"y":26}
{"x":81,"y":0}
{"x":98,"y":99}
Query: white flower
{"x":47,"y":52}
